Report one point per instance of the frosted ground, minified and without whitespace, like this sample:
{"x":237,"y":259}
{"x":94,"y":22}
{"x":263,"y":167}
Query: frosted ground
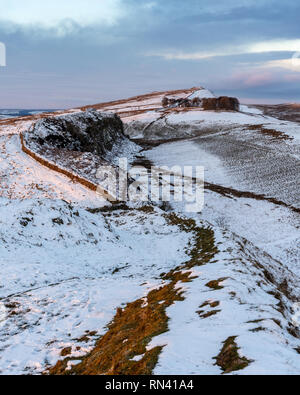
{"x":65,"y":268}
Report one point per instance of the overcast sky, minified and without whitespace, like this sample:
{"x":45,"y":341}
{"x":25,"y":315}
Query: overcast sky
{"x":67,"y":53}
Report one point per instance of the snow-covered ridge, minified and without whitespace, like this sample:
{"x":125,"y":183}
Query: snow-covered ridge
{"x":68,"y":271}
{"x":78,"y":144}
{"x":66,"y":268}
{"x":91,"y":131}
{"x":202,"y":94}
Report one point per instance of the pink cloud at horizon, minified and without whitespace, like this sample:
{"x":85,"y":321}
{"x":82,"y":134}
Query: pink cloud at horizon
{"x":254,"y":78}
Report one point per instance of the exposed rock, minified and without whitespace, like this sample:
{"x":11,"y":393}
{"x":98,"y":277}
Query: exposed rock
{"x":88,"y":131}
{"x":210,"y":104}
{"x":196,"y":102}
{"x":184,"y":103}
{"x":165,"y":102}
{"x":81,"y":143}
{"x":221,"y":103}
{"x":228,"y":103}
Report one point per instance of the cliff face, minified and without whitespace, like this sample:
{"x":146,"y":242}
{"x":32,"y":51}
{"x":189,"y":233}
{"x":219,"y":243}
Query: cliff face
{"x":90,"y":131}
{"x":223,"y":103}
{"x":81,"y":142}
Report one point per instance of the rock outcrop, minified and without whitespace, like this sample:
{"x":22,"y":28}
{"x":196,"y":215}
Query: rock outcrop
{"x":80,"y":143}
{"x":90,"y":131}
{"x":185,"y":103}
{"x":210,"y":104}
{"x":221,"y":103}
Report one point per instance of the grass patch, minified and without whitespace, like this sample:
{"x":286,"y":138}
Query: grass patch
{"x":128,"y":335}
{"x":209,"y":314}
{"x":213,"y":305}
{"x":229,"y":359}
{"x":133,"y":327}
{"x":215,"y":284}
{"x":275,"y":134}
{"x":66,"y":351}
{"x":259,"y":329}
{"x":203,"y":248}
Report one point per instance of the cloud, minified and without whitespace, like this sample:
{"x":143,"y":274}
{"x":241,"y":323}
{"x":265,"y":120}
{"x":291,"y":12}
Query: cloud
{"x":95,"y":49}
{"x":51,"y":14}
{"x":254,"y":48}
{"x":275,"y":46}
{"x":253,"y":78}
{"x":292,"y":64}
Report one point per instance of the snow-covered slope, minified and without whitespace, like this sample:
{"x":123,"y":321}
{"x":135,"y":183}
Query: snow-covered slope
{"x":65,"y":270}
{"x":98,"y":133}
{"x":68,"y":260}
{"x":202,"y":94}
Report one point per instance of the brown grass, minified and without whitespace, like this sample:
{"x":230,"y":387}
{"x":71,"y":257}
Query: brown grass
{"x":208,"y":314}
{"x":275,"y":134}
{"x":140,"y":98}
{"x":229,"y":359}
{"x":211,"y":304}
{"x":99,"y":106}
{"x":228,"y":192}
{"x":128,"y":335}
{"x":215,"y":284}
{"x":133,"y":327}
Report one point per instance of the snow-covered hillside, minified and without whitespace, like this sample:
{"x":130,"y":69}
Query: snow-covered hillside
{"x":227,"y":278}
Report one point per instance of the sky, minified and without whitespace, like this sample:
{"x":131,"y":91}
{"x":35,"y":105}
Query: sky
{"x":68,"y":53}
